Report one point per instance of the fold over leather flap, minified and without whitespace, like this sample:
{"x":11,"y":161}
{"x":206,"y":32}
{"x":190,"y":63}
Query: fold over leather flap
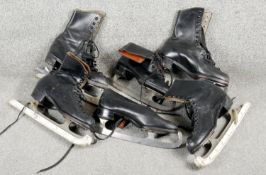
{"x":136,"y":52}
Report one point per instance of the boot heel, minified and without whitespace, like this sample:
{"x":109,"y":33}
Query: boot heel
{"x":228,"y":103}
{"x":123,"y":72}
{"x":38,"y":95}
{"x":105,"y":114}
{"x":226,"y":107}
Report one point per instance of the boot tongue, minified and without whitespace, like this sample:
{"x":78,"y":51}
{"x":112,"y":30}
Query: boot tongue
{"x":89,"y":53}
{"x":188,"y":24}
{"x":74,"y":66}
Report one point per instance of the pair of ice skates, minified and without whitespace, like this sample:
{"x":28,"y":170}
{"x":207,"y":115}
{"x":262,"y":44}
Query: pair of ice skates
{"x":157,"y":111}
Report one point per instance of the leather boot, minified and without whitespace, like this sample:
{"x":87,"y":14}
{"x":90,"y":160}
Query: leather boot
{"x":112,"y":104}
{"x":79,"y":33}
{"x":186,"y":49}
{"x":143,"y":65}
{"x":206,"y":102}
{"x":61,"y":89}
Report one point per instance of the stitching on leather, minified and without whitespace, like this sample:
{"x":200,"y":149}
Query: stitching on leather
{"x":195,"y":117}
{"x":198,"y":27}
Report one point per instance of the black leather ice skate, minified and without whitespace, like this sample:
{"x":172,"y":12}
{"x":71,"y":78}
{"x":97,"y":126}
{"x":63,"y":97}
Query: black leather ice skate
{"x":186,"y":49}
{"x":61,"y":89}
{"x":206,"y":102}
{"x":78,"y":38}
{"x":78,"y":34}
{"x":112,"y":104}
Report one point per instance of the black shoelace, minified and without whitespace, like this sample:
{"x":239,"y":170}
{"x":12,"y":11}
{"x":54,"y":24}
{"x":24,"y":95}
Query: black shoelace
{"x":90,"y":52}
{"x":59,"y":161}
{"x":72,"y":146}
{"x":159,"y":69}
{"x":208,"y":54}
{"x":17,"y":119}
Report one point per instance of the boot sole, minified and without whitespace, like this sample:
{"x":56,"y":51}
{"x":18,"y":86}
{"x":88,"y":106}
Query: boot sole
{"x":109,"y":114}
{"x":179,"y":66}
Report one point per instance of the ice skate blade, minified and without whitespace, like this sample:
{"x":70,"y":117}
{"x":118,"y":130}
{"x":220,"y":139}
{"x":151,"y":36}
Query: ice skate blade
{"x":136,"y":135}
{"x":129,"y":95}
{"x":217,"y":144}
{"x":60,"y":129}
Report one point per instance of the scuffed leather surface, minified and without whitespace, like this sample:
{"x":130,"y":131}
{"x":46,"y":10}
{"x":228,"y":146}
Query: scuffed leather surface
{"x":61,"y":87}
{"x":206,"y":102}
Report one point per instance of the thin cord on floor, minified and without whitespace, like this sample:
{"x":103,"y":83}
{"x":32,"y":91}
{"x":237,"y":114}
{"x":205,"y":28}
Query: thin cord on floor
{"x":18,"y":117}
{"x":71,"y":146}
{"x":59,"y":161}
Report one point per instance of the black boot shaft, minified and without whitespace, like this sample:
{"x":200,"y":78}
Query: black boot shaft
{"x":186,"y":49}
{"x":82,"y":27}
{"x":206,"y":101}
{"x":188,"y":25}
{"x":62,"y":90}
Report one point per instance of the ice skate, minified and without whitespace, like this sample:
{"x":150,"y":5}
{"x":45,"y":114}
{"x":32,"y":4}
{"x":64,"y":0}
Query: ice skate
{"x":213,"y":119}
{"x":139,"y":124}
{"x":68,"y":80}
{"x":80,"y":30}
{"x":60,"y":104}
{"x":186,"y":49}
{"x":215,"y":143}
{"x":205,"y":103}
{"x":78,"y":37}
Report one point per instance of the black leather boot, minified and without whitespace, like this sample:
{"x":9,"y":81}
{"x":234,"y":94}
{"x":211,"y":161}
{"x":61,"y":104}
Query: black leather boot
{"x":112,"y":104}
{"x":143,"y":65}
{"x":79,"y":33}
{"x":186,"y":49}
{"x":61,"y":89}
{"x":206,"y":102}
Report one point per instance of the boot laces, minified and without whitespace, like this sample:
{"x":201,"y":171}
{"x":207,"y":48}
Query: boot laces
{"x":208,"y":55}
{"x":89,"y":54}
{"x":158,"y":70}
{"x":158,"y":64}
